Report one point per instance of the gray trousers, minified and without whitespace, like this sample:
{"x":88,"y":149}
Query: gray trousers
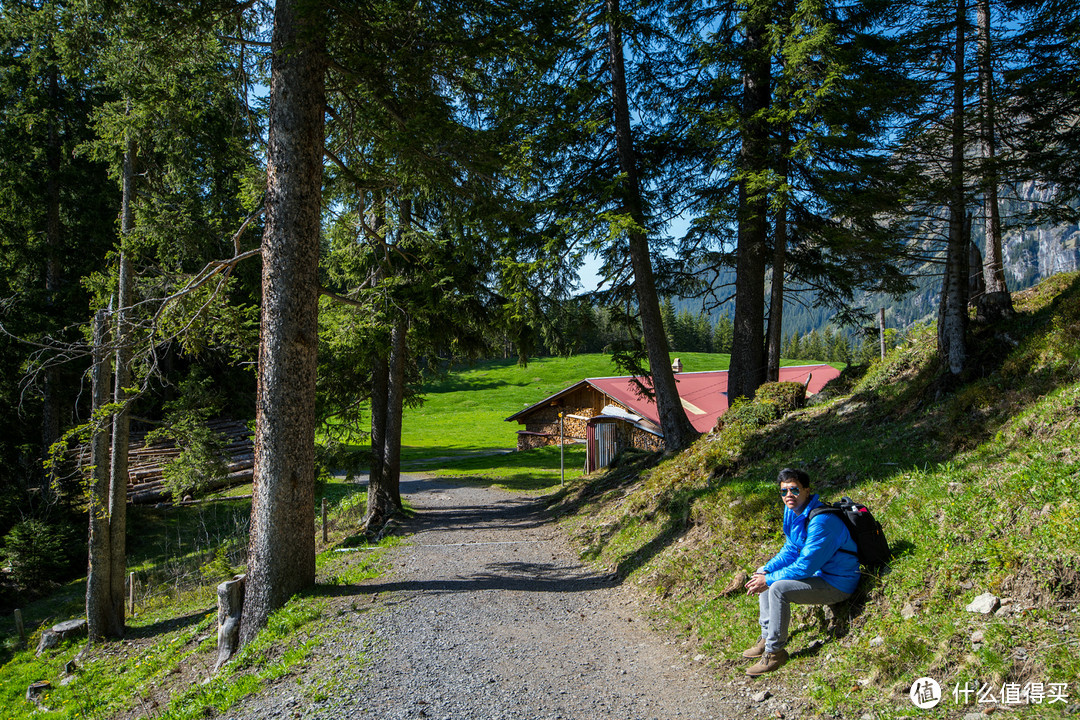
{"x":774,"y":606}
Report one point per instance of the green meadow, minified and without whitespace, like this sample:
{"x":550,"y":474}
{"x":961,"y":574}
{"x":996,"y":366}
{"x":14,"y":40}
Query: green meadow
{"x":464,"y":414}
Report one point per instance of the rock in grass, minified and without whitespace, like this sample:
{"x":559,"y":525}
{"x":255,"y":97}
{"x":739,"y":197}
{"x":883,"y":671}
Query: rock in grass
{"x":736,"y":584}
{"x":984,"y":604}
{"x":761,"y":696}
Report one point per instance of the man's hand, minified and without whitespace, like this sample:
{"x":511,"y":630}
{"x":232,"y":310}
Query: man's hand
{"x":757,"y":584}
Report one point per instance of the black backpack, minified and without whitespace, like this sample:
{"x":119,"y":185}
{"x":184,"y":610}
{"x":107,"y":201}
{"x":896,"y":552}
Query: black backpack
{"x":873,"y":548}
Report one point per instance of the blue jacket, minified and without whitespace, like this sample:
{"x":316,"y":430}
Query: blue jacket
{"x":814,"y":551}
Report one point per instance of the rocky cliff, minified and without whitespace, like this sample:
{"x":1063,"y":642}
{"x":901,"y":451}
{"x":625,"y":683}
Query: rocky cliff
{"x":1035,"y":252}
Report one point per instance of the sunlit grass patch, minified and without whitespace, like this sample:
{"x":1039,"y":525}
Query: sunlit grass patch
{"x":527,"y":470}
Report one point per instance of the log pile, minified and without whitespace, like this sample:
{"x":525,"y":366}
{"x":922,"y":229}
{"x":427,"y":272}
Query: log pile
{"x":146,"y":463}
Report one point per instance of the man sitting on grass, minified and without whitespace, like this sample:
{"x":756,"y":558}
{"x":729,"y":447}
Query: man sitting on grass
{"x":818,"y":565}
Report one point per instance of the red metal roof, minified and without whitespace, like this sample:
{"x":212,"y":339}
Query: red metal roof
{"x":703,"y":394}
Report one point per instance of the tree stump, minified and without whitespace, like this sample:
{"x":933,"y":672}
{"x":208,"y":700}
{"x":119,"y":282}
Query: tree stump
{"x":230,"y":603}
{"x":37,"y":689}
{"x":59,"y":633}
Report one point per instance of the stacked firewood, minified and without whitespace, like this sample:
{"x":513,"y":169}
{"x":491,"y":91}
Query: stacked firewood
{"x":146,"y":463}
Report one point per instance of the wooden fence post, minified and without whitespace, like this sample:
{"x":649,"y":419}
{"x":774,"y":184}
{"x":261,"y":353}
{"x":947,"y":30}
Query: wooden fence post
{"x":20,"y":629}
{"x":131,"y":593}
{"x":562,"y":450}
{"x":324,"y":535}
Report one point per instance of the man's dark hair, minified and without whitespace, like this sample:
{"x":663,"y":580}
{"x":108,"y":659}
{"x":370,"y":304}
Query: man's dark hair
{"x":789,"y":474}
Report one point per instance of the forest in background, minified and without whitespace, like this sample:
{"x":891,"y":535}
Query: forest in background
{"x":422,"y":184}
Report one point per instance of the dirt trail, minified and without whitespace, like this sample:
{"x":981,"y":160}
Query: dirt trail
{"x":488,"y":614}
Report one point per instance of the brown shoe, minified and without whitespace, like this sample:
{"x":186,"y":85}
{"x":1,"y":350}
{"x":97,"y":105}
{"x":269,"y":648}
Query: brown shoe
{"x":769,"y":661}
{"x":756,"y":650}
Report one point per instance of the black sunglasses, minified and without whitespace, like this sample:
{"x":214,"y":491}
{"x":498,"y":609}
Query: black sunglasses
{"x":794,"y":491}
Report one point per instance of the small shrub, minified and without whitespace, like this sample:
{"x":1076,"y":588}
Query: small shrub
{"x":755,"y":413}
{"x":788,"y":396}
{"x":219,"y":565}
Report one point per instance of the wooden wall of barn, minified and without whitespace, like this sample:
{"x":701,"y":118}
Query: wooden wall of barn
{"x":542,"y":424}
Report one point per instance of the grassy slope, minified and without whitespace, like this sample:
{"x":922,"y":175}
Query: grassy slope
{"x":975,"y":485}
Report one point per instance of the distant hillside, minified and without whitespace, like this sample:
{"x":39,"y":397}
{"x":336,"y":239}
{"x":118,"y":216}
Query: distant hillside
{"x":1032,"y":254}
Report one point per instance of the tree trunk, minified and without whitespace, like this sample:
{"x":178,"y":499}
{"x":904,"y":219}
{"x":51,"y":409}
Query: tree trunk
{"x":50,"y":411}
{"x":380,"y":379}
{"x":394,"y":407}
{"x":776,"y":298}
{"x":101,"y":620}
{"x":379,"y":501}
{"x":281,"y":550}
{"x":776,"y":292}
{"x":995,"y":303}
{"x":118,"y":464}
{"x":952,"y":314}
{"x":747,"y":370}
{"x":678,"y":432}
{"x":395,"y":404}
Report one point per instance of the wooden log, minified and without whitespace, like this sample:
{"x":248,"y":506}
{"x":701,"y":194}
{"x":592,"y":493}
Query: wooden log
{"x":152,"y":493}
{"x":149,"y":497}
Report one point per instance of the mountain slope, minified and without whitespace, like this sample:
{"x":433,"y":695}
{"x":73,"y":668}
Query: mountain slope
{"x":1032,"y":253}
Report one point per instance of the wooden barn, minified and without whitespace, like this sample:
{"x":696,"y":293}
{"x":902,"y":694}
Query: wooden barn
{"x":608,"y":414}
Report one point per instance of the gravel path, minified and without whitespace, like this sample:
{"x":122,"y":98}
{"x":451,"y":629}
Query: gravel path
{"x":488,"y":614}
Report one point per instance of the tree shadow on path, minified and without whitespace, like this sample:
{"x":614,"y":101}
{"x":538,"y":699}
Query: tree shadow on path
{"x":503,"y":522}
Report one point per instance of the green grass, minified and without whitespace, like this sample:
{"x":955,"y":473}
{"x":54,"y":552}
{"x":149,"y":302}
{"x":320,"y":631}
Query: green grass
{"x":535,"y":470}
{"x":465,"y":413}
{"x":170,"y":644}
{"x":973,"y":481}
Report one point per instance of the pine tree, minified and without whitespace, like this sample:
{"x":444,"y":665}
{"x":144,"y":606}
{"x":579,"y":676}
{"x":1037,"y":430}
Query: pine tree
{"x":1043,"y":84}
{"x":995,"y":302}
{"x":281,"y":552}
{"x":722,"y":334}
{"x":809,"y":121}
